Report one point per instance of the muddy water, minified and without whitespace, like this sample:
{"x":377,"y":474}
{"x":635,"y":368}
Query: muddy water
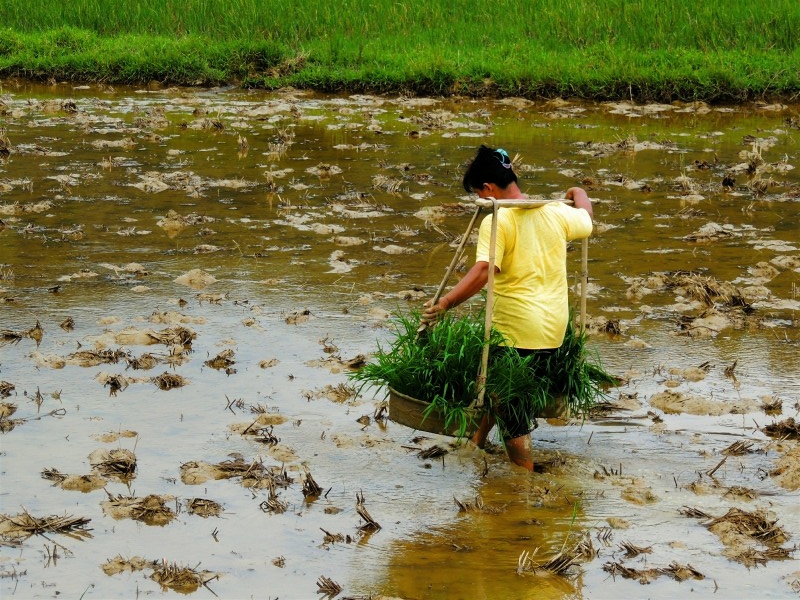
{"x":282,"y":230}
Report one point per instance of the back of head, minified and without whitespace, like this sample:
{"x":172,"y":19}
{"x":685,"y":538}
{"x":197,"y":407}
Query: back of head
{"x":489,"y":166}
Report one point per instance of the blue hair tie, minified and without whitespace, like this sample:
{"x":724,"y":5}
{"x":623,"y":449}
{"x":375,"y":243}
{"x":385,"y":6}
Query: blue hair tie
{"x":503,"y":157}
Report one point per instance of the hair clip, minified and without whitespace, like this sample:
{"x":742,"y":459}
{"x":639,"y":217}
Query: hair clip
{"x":503,"y":157}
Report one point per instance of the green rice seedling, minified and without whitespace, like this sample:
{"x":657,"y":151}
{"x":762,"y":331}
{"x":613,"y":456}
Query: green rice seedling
{"x":441,"y":369}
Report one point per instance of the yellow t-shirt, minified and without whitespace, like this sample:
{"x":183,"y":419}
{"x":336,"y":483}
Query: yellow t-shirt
{"x":531,"y":306}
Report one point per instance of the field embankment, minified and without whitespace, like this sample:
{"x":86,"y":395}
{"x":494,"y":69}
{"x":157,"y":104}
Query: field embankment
{"x":719,"y":50}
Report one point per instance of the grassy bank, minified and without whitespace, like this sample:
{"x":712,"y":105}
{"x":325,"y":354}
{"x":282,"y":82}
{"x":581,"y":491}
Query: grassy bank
{"x":719,"y":50}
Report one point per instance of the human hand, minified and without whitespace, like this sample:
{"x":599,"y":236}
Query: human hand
{"x":575,"y":193}
{"x":431,"y":312}
{"x":580,"y":199}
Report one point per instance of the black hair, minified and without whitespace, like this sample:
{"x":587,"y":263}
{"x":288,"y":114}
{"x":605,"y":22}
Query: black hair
{"x":489,"y":166}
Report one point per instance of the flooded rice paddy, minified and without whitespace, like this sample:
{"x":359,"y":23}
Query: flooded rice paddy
{"x":187,"y":276}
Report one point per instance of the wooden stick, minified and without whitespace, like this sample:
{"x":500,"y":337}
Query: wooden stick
{"x":584,"y":279}
{"x":489,"y":305}
{"x":488,"y":203}
{"x":453,"y":263}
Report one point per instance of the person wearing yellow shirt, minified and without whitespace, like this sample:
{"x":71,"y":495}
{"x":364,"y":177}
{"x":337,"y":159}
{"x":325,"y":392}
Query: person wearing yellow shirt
{"x":531,"y":307}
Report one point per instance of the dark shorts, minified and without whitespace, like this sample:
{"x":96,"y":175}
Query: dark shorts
{"x":514,"y":424}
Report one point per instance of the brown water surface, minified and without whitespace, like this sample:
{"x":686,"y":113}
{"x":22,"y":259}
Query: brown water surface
{"x":283,"y":230}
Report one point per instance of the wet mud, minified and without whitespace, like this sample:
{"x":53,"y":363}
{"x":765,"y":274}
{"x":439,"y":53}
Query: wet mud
{"x":187,"y":277}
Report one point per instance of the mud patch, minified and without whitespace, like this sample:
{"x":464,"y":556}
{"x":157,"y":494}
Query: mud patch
{"x":118,"y":564}
{"x":113,"y":436}
{"x":787,"y":470}
{"x":640,"y":494}
{"x":749,"y":537}
{"x":203,"y":507}
{"x":79,"y":483}
{"x":150,"y":510}
{"x":678,"y":403}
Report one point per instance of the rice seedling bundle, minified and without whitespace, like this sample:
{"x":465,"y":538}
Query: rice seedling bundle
{"x":441,"y":369}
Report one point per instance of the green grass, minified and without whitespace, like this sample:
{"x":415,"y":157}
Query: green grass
{"x":665,"y":50}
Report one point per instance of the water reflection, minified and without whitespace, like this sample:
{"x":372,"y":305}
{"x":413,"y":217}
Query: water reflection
{"x":515,"y":515}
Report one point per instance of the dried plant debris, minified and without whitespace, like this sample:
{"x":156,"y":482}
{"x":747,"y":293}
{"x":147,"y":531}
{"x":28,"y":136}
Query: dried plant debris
{"x":741,"y":493}
{"x":144,"y":362}
{"x":264,"y":435}
{"x":118,"y":564}
{"x":786,"y":429}
{"x":92,"y":358}
{"x":264,"y":419}
{"x":339,"y":393}
{"x":9,"y":336}
{"x":682,"y":572}
{"x":203,"y":507}
{"x":6,"y":422}
{"x":738,"y":448}
{"x":772,"y":406}
{"x":151,"y":510}
{"x":117,"y":463}
{"x":273,"y":504}
{"x":311,"y":488}
{"x":174,"y":336}
{"x":749,"y":537}
{"x":328,"y":587}
{"x":168,"y":381}
{"x":223,"y":360}
{"x":6,"y":389}
{"x":24,"y":525}
{"x":550,"y":464}
{"x":298,"y":316}
{"x":116,"y":383}
{"x":335,"y":363}
{"x":333,"y":538}
{"x":184,"y":580}
{"x":80,"y":483}
{"x":706,"y":290}
{"x":370,"y":524}
{"x":585,"y":549}
{"x":694,"y":513}
{"x":559,"y":564}
{"x":756,"y":525}
{"x":253,"y":475}
{"x":632,"y":551}
{"x":193,"y":473}
{"x":477,"y":505}
{"x":434,"y":451}
{"x":645,"y":576}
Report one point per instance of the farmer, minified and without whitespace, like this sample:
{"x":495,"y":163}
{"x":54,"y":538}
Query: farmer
{"x":531,"y":307}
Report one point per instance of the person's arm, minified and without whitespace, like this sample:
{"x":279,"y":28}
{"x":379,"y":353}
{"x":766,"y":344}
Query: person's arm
{"x":470,"y":284}
{"x":580,"y":199}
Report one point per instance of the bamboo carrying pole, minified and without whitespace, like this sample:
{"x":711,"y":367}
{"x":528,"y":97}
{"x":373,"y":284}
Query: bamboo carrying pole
{"x":459,"y":251}
{"x":489,"y":304}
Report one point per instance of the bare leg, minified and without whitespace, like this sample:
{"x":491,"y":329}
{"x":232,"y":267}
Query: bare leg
{"x":520,"y":452}
{"x":479,"y":437}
